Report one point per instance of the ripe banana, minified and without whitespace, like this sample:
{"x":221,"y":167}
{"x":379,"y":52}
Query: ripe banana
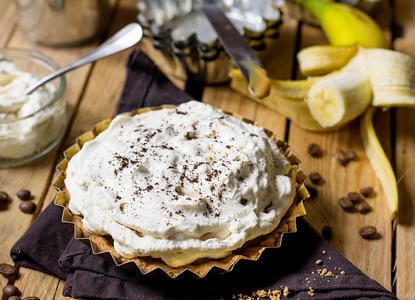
{"x":330,"y":101}
{"x":342,"y":97}
{"x":345,"y":25}
{"x":320,"y":60}
{"x":392,"y":77}
{"x":379,"y":161}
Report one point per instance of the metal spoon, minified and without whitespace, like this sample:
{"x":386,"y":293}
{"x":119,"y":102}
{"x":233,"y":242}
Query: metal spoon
{"x":123,"y":39}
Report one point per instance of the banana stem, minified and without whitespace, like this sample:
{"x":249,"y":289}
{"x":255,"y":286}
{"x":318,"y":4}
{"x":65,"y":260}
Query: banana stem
{"x":313,"y":6}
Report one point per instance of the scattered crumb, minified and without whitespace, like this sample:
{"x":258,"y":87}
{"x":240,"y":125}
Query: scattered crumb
{"x":261,"y":293}
{"x":324,"y":252}
{"x":318,"y":262}
{"x":324,"y":271}
{"x":286,"y":291}
{"x":270,"y":294}
{"x":342,"y":272}
{"x":329,"y":273}
{"x":310,"y":291}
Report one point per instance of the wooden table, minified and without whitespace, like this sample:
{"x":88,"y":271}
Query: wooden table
{"x":92,"y":95}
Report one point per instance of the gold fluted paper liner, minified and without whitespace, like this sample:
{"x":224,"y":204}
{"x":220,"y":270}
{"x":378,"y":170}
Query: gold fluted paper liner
{"x":252,"y":250}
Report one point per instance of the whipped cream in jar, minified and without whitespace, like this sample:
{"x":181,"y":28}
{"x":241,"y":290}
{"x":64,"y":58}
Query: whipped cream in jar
{"x":30,"y":125}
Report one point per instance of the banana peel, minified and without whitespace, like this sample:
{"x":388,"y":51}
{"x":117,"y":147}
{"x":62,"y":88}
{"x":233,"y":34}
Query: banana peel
{"x":379,"y":161}
{"x":392,"y":77}
{"x":359,"y":80}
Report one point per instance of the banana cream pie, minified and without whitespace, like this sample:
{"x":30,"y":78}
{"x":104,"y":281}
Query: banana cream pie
{"x":180,"y":184}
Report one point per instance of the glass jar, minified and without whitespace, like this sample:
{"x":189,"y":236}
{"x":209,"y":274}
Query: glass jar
{"x":62,"y":22}
{"x":35,"y":129}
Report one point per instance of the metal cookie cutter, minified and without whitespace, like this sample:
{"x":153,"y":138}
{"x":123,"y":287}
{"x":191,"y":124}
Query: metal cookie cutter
{"x":182,"y":33}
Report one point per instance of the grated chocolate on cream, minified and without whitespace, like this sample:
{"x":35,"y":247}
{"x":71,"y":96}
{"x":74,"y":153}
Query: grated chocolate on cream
{"x":180,"y":184}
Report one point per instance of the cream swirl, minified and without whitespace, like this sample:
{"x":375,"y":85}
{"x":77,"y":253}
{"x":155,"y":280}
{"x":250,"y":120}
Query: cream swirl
{"x":27,"y":123}
{"x":180,"y":184}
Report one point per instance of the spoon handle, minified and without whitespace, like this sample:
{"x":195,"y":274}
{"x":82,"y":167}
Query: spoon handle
{"x":123,"y":39}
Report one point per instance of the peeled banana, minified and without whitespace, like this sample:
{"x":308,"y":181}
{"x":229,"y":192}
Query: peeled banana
{"x":357,"y":79}
{"x":372,"y":76}
{"x":379,"y":161}
{"x":338,"y":99}
{"x":345,"y":25}
{"x":320,"y":60}
{"x":295,"y":109}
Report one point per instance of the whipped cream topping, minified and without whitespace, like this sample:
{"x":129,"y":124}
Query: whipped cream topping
{"x":180,"y":184}
{"x":20,"y":136}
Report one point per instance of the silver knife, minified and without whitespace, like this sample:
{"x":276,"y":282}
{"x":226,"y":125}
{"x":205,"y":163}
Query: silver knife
{"x":238,"y":49}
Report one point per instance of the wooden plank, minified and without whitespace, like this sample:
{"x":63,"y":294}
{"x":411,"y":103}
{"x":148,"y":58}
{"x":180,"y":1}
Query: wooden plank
{"x":279,"y":65}
{"x":339,"y":180}
{"x":225,"y":98}
{"x":7,"y":20}
{"x":7,"y":25}
{"x":405,"y":165}
{"x":58,"y":293}
{"x":36,"y":176}
{"x":160,"y":62}
{"x":278,"y":60}
{"x":96,"y":104}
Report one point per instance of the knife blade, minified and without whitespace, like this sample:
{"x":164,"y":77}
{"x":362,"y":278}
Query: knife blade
{"x":238,"y":49}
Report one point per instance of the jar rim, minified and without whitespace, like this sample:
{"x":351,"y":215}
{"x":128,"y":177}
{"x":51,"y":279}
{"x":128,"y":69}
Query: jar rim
{"x":40,"y":59}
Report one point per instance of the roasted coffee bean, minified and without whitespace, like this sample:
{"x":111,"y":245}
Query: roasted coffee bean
{"x":363,"y":207}
{"x":4,"y":200}
{"x":31,"y":298}
{"x":342,"y":158}
{"x":24,"y":195}
{"x":354,"y":197}
{"x":315,"y":177}
{"x":314,"y":150}
{"x":350,"y":155}
{"x":14,"y":298}
{"x":312,"y":191}
{"x":346,"y":204}
{"x":368,"y":232}
{"x":28,"y":207}
{"x":342,"y":161}
{"x":11,"y":290}
{"x":4,"y":196}
{"x":7,"y":270}
{"x":327,"y":232}
{"x":367,"y":191}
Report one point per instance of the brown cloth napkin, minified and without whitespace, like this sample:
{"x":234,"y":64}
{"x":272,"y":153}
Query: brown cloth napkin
{"x":49,"y":245}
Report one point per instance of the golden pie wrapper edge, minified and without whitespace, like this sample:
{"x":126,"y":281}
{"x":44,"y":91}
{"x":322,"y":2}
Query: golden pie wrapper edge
{"x":252,"y":250}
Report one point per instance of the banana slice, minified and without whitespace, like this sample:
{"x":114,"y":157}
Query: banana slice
{"x":379,"y":161}
{"x":338,"y":99}
{"x":320,"y":60}
{"x":392,"y":76}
